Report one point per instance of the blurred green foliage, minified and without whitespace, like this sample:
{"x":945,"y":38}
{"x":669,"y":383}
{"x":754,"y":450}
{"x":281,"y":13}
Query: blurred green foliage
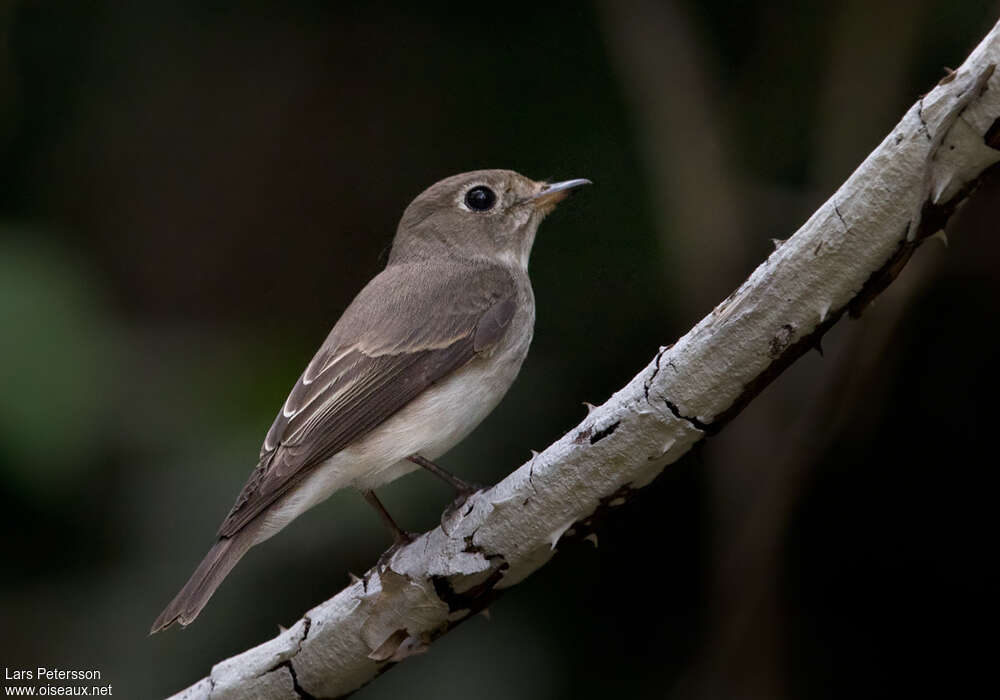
{"x":57,"y":366}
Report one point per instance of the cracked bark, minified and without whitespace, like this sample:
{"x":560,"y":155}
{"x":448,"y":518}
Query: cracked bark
{"x":843,"y":256}
{"x":786,"y":430}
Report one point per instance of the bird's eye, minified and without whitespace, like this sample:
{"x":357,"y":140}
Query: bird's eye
{"x":480,"y":198}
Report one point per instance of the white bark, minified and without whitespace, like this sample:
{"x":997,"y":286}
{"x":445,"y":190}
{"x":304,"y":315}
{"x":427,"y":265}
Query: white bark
{"x":841,"y":257}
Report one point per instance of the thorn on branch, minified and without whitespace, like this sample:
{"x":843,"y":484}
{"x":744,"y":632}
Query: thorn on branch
{"x":949,"y":75}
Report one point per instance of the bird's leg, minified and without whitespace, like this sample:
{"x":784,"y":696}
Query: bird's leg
{"x":399,"y":535}
{"x":464,"y":488}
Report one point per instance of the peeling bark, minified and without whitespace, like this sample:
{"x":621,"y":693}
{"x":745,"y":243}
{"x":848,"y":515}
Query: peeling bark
{"x":842,"y":257}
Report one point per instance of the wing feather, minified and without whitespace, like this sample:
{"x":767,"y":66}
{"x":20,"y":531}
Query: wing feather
{"x":385,"y":350}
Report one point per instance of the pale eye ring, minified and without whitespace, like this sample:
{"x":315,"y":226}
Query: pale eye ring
{"x":480,"y":198}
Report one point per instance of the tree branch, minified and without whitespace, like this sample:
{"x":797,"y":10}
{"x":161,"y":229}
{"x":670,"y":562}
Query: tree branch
{"x":841,"y":258}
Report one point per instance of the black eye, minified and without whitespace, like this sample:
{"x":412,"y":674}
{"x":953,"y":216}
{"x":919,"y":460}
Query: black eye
{"x":480,"y":198}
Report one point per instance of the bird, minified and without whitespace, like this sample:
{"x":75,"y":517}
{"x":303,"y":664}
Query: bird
{"x":424,"y":352}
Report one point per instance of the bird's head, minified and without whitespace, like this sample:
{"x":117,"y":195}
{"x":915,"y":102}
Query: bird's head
{"x":491,"y":213}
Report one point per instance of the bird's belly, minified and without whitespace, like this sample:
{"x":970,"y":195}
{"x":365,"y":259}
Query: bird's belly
{"x":430,"y":425}
{"x":434,"y":422}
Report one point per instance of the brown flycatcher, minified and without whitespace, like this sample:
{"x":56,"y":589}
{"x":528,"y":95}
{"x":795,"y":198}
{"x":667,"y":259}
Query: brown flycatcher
{"x":419,"y":358}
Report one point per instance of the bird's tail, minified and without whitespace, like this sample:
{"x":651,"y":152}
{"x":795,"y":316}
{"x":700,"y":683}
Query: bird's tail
{"x":219,"y":561}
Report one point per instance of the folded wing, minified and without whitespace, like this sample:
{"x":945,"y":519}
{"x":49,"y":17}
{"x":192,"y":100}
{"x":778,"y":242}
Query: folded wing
{"x":411,"y":326}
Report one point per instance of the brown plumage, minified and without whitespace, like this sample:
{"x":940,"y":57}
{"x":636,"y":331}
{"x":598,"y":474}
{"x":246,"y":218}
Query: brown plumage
{"x":454,"y":303}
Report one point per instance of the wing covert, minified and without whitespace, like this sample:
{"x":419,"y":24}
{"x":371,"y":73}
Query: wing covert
{"x":388,"y":347}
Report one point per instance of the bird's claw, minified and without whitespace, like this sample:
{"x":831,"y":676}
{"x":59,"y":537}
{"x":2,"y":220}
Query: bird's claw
{"x":403,"y":538}
{"x":460,"y":498}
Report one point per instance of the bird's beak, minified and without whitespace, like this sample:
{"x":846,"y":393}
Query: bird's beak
{"x":551,"y":194}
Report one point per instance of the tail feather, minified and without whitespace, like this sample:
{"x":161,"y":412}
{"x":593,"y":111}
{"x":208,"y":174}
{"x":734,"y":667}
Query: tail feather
{"x":219,"y":561}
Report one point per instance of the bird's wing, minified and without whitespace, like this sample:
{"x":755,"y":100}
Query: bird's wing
{"x":406,"y":330}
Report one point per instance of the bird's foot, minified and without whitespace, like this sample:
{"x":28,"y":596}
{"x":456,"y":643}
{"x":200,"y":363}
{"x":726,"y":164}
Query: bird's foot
{"x":402,"y":538}
{"x":461,"y":496}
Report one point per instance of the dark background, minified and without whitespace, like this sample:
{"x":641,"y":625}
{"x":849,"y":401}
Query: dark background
{"x":191,"y":192}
